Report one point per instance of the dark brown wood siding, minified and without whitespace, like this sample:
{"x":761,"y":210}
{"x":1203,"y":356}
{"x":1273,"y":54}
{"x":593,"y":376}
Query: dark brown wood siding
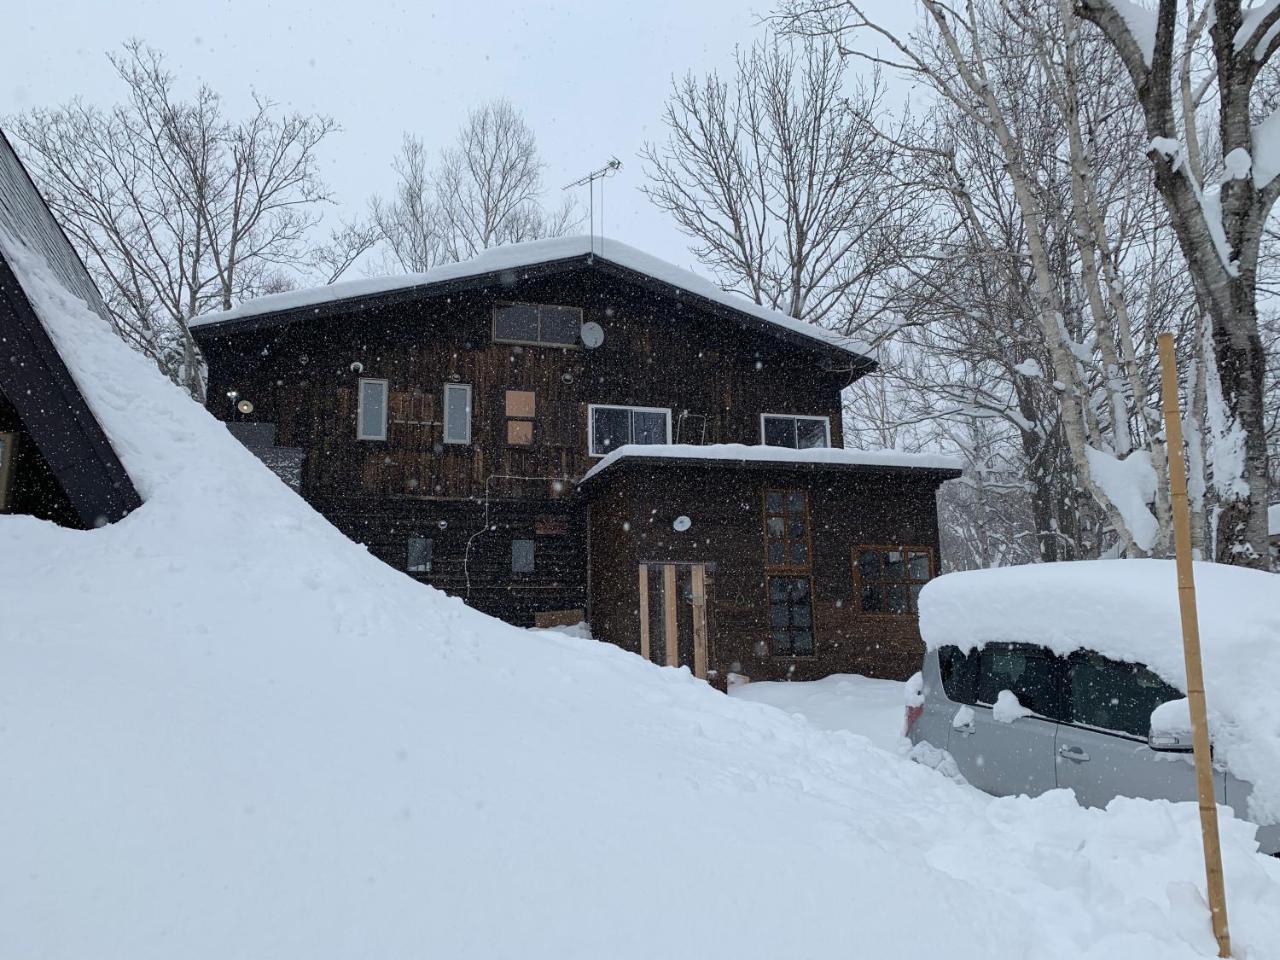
{"x":632,"y":509}
{"x":33,"y":487}
{"x":715,"y":377}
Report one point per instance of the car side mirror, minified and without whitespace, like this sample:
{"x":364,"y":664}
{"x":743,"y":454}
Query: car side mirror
{"x":1171,"y":727}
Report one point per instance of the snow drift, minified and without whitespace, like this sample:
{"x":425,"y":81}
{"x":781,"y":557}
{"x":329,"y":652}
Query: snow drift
{"x":226,"y":731}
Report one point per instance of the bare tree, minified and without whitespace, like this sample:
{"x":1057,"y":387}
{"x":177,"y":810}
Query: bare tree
{"x":177,"y":209}
{"x":782,"y":181}
{"x":1219,"y":226}
{"x":1012,"y":70}
{"x":485,"y":190}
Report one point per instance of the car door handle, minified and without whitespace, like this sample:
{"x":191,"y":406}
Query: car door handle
{"x":1072,"y":753}
{"x":968,"y":729}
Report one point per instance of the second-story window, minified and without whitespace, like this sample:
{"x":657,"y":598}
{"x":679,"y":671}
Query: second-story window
{"x":611,"y":427}
{"x":536,"y":323}
{"x":796,"y":432}
{"x":371,"y":410}
{"x":520,"y":405}
{"x":457,"y":413}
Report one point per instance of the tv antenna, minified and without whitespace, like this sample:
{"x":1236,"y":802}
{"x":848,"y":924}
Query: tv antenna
{"x":608,"y":170}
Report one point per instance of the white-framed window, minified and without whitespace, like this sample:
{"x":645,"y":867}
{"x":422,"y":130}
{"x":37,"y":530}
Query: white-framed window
{"x":610,"y":427}
{"x":796,"y":432}
{"x":457,"y":413}
{"x":418,"y":555}
{"x":537,"y":324}
{"x":371,"y":410}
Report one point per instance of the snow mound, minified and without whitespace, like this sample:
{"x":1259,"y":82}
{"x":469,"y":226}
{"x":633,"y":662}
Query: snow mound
{"x":1128,"y":610}
{"x":227,"y":731}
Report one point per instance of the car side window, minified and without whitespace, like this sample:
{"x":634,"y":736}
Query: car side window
{"x":1032,"y":673}
{"x":1114,"y":695}
{"x":959,"y":673}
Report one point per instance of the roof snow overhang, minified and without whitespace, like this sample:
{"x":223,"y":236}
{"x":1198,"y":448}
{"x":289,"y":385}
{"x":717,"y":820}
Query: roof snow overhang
{"x":33,"y":377}
{"x":932,"y":468}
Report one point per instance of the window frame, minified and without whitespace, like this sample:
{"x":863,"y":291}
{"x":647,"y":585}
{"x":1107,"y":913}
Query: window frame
{"x":1060,"y":671}
{"x":793,"y":417}
{"x":769,"y":577}
{"x":386,"y":408}
{"x":787,"y":540}
{"x":1067,"y":700}
{"x":591,"y":418}
{"x":493,"y":326}
{"x":906,"y":549}
{"x":444,"y":413}
{"x":408,"y":567}
{"x":7,"y":470}
{"x":511,"y":418}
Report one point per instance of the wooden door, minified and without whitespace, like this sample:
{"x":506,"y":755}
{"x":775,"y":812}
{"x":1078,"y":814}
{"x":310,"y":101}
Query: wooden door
{"x":674,"y":599}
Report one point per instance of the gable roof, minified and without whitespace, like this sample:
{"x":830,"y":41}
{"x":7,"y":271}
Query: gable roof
{"x":33,"y":377}
{"x":537,"y":257}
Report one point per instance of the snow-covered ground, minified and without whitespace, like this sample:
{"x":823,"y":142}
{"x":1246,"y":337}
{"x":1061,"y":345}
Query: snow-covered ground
{"x":863,"y":705}
{"x":227,"y":731}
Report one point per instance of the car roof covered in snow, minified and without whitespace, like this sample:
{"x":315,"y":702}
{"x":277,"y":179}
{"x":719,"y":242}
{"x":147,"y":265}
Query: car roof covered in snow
{"x":1128,"y":610}
{"x":742,"y":455}
{"x":497,"y":265}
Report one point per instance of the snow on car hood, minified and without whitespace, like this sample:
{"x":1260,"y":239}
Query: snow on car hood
{"x":1128,"y":610}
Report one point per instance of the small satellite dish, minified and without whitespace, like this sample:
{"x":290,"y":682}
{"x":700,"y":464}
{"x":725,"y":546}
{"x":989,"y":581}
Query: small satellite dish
{"x":245,"y":406}
{"x":592,"y":334}
{"x":681,"y":524}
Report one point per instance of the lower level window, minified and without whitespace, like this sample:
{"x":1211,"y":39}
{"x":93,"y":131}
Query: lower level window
{"x":522,"y":556}
{"x":418,"y":555}
{"x":791,"y":616}
{"x":889,"y":579}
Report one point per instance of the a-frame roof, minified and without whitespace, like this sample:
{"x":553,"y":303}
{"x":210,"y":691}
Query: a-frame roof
{"x":33,"y":377}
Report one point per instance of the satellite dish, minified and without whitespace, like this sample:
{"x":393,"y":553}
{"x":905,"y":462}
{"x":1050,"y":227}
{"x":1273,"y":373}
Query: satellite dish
{"x":245,"y":406}
{"x":681,"y":524}
{"x":592,"y":335}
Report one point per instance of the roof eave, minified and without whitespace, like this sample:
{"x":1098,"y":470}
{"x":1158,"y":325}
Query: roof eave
{"x":936,"y":475}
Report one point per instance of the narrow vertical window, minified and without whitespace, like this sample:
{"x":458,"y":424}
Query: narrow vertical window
{"x":786,"y":529}
{"x":457,"y":413}
{"x":418,"y":555}
{"x":521,"y":405}
{"x":522,"y":556}
{"x":371,"y":412}
{"x":790,"y":616}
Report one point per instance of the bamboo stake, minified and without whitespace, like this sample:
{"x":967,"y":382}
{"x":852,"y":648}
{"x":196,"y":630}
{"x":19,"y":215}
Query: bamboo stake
{"x":1191,"y":645}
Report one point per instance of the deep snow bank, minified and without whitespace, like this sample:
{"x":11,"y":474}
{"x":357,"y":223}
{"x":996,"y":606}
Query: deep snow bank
{"x":226,"y":731}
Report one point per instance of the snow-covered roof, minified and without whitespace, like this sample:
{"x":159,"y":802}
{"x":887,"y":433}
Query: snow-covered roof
{"x":742,"y":453}
{"x":522,"y":255}
{"x":1128,"y":610}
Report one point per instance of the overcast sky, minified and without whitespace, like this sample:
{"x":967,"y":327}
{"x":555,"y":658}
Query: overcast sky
{"x":591,"y":78}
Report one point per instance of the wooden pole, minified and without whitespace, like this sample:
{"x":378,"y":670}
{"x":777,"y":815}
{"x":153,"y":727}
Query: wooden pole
{"x":1191,"y":645}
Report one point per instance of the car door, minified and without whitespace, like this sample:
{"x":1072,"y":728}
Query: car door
{"x":1102,"y":749}
{"x":1010,"y":756}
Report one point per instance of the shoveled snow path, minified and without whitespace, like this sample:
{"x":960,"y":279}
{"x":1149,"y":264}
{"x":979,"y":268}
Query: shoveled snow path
{"x":226,"y":731}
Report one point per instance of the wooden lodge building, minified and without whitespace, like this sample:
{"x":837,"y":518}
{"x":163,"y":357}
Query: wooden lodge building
{"x":56,"y":463}
{"x":572,"y":430}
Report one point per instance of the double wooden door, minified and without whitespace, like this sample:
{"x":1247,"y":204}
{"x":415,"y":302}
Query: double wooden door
{"x":673,"y":615}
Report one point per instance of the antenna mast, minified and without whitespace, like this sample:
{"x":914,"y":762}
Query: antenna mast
{"x":608,"y":170}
